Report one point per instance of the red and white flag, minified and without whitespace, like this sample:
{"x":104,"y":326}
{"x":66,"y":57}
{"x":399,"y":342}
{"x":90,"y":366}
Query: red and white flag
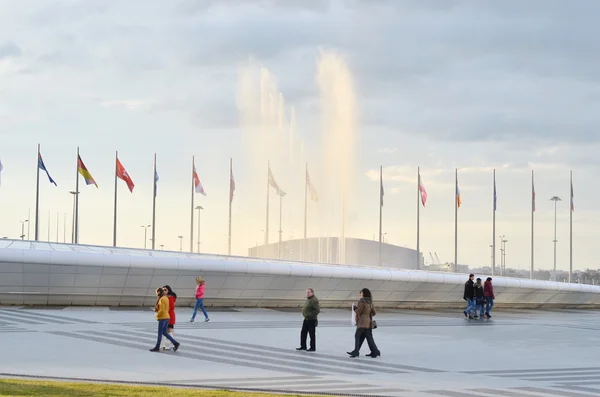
{"x":197,"y":184}
{"x":422,"y":191}
{"x":124,"y":176}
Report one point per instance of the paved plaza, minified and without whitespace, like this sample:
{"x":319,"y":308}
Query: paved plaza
{"x":429,"y":353}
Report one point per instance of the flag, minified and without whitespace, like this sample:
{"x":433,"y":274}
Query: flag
{"x":123,"y":175}
{"x":572,"y":202}
{"x":422,"y":191}
{"x":381,"y":195}
{"x":532,"y":195}
{"x":231,"y":186}
{"x":155,"y":183}
{"x":313,"y":192}
{"x":495,"y":197}
{"x":198,"y":184}
{"x":89,"y":180}
{"x":458,"y":200}
{"x":43,"y":168}
{"x":275,"y":185}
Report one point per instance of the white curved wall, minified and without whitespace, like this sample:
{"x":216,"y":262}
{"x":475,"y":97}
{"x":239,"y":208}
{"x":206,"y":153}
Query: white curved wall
{"x":63,"y":274}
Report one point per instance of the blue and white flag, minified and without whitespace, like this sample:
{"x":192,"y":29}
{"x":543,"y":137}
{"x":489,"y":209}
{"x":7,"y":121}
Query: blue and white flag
{"x":43,"y":168}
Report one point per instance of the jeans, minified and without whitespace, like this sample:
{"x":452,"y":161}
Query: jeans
{"x":481,"y":307}
{"x":199,"y":305}
{"x":162,"y":330}
{"x":471,"y":306}
{"x":489,"y":304}
{"x":309,"y":327}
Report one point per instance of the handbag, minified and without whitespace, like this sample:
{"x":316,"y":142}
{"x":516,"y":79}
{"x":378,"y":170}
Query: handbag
{"x":374,"y":324}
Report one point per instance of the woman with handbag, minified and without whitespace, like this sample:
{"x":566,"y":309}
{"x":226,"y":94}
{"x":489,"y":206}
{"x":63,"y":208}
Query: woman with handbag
{"x":364,"y":325}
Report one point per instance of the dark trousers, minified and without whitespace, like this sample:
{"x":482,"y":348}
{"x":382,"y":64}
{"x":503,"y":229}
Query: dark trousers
{"x":309,"y":327}
{"x":359,"y":337}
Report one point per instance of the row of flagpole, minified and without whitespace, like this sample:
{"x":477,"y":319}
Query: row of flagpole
{"x":121,"y":173}
{"x":422,"y":199}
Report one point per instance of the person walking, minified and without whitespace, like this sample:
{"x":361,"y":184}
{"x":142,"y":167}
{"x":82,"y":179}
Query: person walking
{"x":364,"y":325}
{"x":172,"y":296}
{"x":162,"y":315}
{"x":310,"y":311}
{"x":479,"y":298}
{"x":469,"y":296}
{"x":488,"y":292}
{"x":200,"y":288}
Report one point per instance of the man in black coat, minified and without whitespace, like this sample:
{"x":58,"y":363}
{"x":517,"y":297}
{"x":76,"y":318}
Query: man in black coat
{"x":469,"y":296}
{"x":310,"y":312}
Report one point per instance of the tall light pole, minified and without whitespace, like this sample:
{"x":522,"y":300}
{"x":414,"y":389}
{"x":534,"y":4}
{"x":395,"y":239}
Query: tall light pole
{"x":180,"y":243}
{"x":199,"y":208}
{"x":492,"y":257}
{"x":556,"y":199}
{"x":162,"y":247}
{"x":502,"y":255}
{"x":146,"y":234}
{"x":23,"y":228}
{"x":73,"y":225}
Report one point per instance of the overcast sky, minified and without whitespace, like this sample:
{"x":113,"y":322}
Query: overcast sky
{"x":509,"y":85}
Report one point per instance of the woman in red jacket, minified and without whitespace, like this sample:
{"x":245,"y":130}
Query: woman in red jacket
{"x":172,"y":296}
{"x":200,"y":288}
{"x":488,"y":293}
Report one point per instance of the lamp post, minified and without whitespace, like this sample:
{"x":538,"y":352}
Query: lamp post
{"x":199,"y":208}
{"x":162,"y":246}
{"x":504,"y":241}
{"x":501,"y":255}
{"x":73,"y":224}
{"x":180,"y":243}
{"x":23,"y":228}
{"x":492,"y":255}
{"x":145,"y":234}
{"x":556,"y":199}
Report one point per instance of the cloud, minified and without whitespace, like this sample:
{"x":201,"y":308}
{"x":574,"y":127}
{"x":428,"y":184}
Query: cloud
{"x":9,"y":50}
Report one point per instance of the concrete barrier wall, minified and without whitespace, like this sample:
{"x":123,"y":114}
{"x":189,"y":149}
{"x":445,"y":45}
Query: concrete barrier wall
{"x":87,"y":275}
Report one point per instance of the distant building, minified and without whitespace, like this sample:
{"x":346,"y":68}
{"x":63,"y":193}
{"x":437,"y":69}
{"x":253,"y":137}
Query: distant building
{"x":327,"y":250}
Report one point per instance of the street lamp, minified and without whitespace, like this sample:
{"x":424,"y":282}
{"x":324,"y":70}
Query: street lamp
{"x":492,"y":256}
{"x":73,"y":224}
{"x":556,"y":199}
{"x":384,"y":237}
{"x":145,"y":234}
{"x":23,"y":228}
{"x":162,"y":246}
{"x":504,"y":253}
{"x":180,"y":243}
{"x":199,"y":208}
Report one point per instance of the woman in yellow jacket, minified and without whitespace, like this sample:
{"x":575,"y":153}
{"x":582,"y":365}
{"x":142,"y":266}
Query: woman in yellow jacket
{"x":162,"y":315}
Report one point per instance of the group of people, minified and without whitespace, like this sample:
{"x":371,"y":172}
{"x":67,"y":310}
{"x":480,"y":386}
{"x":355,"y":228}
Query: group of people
{"x":363,"y":313}
{"x":165,"y":314}
{"x":479,"y":298}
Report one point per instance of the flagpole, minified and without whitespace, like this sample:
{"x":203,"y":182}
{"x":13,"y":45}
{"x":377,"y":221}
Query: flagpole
{"x":76,"y":232}
{"x":494,"y":227}
{"x":267,"y":225}
{"x":532,"y":234}
{"x":37,"y":195}
{"x":192,"y":209}
{"x":380,"y":209}
{"x":115,"y":205}
{"x":57,"y":219}
{"x":418,"y":217}
{"x":230,"y":201}
{"x":455,"y":220}
{"x":571,"y":232}
{"x":49,"y":222}
{"x":154,"y":207}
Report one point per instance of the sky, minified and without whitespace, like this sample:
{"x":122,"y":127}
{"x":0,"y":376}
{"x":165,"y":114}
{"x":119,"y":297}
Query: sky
{"x":437,"y":85}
